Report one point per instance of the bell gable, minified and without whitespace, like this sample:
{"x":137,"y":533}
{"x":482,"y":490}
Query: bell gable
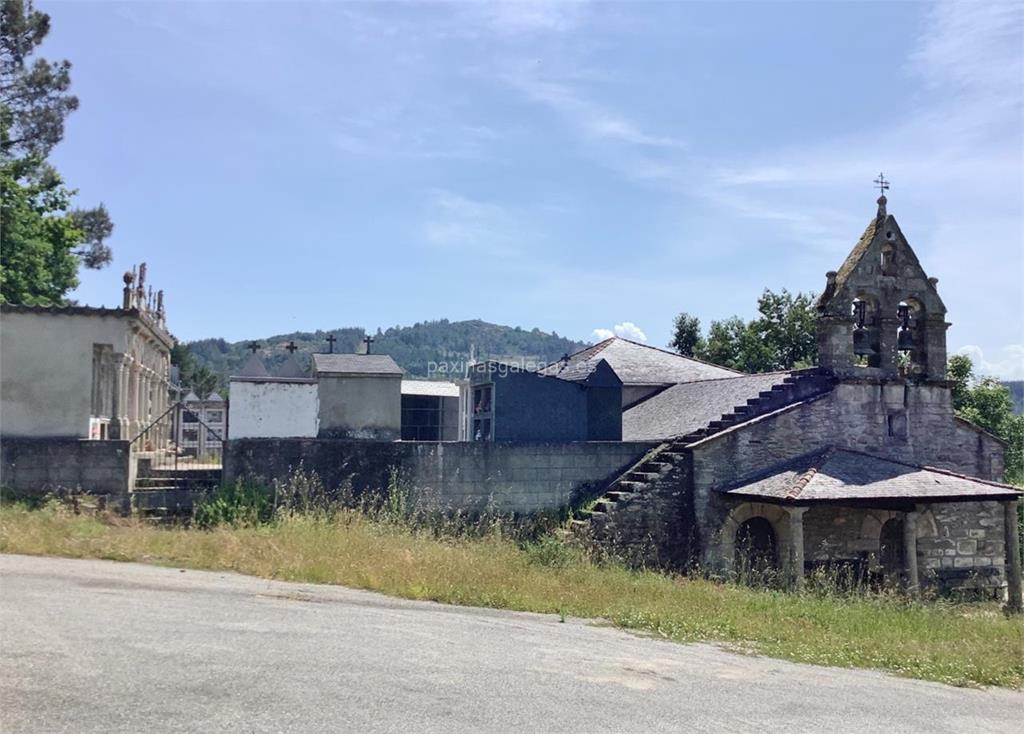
{"x":880,"y":314}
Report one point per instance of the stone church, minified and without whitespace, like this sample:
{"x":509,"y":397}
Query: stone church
{"x":859,"y":462}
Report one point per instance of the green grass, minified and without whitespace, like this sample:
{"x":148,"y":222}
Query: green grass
{"x":940,"y":641}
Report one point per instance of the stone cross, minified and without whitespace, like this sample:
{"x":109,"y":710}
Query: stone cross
{"x":291,"y":347}
{"x":881,"y":183}
{"x":331,"y":338}
{"x":368,"y":341}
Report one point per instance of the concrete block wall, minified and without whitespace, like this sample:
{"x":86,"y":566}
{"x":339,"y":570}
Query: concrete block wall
{"x":471,"y":476}
{"x":40,"y":465}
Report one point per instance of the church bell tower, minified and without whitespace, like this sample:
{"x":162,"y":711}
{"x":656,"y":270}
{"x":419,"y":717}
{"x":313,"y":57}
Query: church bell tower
{"x":880,"y":315}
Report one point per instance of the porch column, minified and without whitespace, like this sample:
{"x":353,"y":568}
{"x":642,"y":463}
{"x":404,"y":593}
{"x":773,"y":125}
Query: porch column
{"x":910,"y":552}
{"x":796,"y":546}
{"x":1014,"y":604}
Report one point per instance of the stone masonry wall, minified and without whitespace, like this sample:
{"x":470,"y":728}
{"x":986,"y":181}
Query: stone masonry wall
{"x":653,"y":527}
{"x":913,"y":424}
{"x":471,"y":476}
{"x":963,"y":545}
{"x":36,"y":466}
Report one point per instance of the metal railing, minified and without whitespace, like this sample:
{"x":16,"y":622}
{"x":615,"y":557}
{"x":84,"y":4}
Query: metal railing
{"x":179,"y":439}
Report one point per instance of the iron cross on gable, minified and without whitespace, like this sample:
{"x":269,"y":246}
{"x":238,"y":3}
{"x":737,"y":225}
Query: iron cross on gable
{"x":881,"y":183}
{"x":368,"y":341}
{"x":331,"y":338}
{"x":291,"y":347}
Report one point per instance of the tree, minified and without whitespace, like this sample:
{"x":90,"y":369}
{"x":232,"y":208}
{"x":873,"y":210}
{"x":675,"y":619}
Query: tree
{"x":782,"y":337}
{"x":37,"y":265}
{"x":686,"y":338}
{"x":787,"y":328}
{"x":986,"y":403}
{"x":200,"y":379}
{"x":43,"y":241}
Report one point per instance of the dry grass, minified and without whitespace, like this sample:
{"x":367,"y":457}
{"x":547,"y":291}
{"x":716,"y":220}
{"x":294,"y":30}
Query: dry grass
{"x":957,"y":644}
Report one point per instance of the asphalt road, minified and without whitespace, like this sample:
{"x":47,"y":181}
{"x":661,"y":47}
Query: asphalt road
{"x":100,"y":646}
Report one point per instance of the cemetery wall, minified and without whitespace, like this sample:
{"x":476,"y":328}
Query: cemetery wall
{"x":467,"y":476}
{"x":36,"y":466}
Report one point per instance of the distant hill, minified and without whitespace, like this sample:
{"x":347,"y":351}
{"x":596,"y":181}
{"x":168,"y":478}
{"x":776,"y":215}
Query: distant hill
{"x":1016,"y":388}
{"x":414,"y":347}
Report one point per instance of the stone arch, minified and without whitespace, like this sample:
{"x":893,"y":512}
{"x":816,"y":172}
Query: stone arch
{"x":890,"y":549}
{"x":756,"y":548}
{"x":911,"y":334}
{"x":867,"y":343}
{"x":774,"y":515}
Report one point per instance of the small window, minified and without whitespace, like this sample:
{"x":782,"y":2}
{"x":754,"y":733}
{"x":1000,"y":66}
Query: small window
{"x":215,"y":416}
{"x":896,"y":424}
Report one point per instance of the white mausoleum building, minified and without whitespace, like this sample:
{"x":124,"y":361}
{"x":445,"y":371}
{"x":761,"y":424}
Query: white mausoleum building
{"x":85,"y":372}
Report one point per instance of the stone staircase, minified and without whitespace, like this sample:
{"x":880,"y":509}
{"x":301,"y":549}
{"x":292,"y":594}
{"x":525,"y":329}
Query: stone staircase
{"x":647,"y":497}
{"x":171,"y":494}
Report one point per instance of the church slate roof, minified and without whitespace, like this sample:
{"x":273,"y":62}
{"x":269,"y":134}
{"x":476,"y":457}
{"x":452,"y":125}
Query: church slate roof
{"x":355,"y":364}
{"x":839,"y":474}
{"x":635,"y":364}
{"x":686,"y":407}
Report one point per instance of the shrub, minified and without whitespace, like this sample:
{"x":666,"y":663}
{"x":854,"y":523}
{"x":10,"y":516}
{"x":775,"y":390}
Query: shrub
{"x":240,"y":504}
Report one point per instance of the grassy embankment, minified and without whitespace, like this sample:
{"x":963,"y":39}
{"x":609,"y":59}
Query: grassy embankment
{"x":940,"y":641}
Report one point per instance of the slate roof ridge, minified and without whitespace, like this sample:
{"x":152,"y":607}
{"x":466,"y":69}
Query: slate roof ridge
{"x":680,"y":356}
{"x":595,"y":350}
{"x":808,"y":476}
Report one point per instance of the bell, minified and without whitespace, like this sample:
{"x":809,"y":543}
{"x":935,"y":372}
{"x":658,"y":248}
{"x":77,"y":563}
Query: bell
{"x":905,"y":340}
{"x":862,"y":346}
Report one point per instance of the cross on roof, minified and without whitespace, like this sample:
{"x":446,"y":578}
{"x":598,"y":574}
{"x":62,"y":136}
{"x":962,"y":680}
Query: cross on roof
{"x":253,"y":346}
{"x":291,"y":347}
{"x":331,"y":338}
{"x":881,"y":183}
{"x":368,"y":341}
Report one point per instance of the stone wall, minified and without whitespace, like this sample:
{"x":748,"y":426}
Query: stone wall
{"x":519,"y":478}
{"x":655,"y":526}
{"x":962,"y":545}
{"x":912,"y":424}
{"x":35,"y":466}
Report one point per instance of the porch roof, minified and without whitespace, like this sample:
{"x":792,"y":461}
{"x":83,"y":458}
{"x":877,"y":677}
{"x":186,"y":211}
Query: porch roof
{"x":831,"y":475}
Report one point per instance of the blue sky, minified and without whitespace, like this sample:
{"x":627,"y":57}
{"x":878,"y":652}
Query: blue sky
{"x":570,"y":166}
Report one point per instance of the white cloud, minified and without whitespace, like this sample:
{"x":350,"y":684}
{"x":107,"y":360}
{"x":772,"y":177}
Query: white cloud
{"x":1008,"y":363}
{"x":594,"y":121}
{"x":626,"y":330}
{"x":458,"y":220}
{"x":514,"y":17}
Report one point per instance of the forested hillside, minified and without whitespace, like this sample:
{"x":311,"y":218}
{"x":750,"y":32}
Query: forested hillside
{"x":416,"y":348}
